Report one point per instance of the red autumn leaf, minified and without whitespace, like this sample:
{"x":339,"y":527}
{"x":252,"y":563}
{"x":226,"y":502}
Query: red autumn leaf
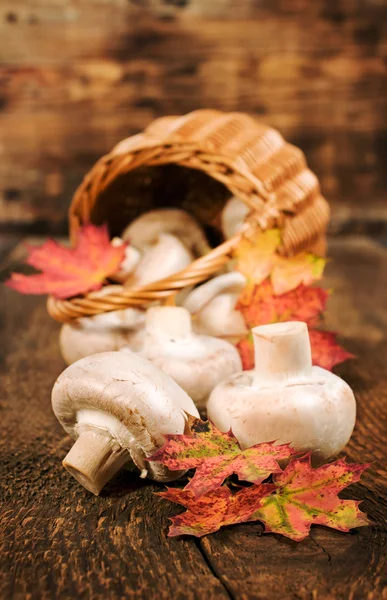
{"x":326,"y":352}
{"x":68,"y":272}
{"x":261,"y":306}
{"x":298,"y":498}
{"x":257,"y":259}
{"x":204,"y":515}
{"x":246,"y":351}
{"x":217,"y":455}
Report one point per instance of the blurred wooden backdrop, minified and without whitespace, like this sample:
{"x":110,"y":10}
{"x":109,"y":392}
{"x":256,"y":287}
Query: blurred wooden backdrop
{"x":78,"y":75}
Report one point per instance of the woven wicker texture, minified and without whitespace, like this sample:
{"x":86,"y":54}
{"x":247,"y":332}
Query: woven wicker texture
{"x":197,"y":162}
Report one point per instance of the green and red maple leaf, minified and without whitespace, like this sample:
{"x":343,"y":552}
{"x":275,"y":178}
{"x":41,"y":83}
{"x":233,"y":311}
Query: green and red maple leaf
{"x":67,"y":272}
{"x":217,"y":455}
{"x":298,"y":497}
{"x":295,"y":498}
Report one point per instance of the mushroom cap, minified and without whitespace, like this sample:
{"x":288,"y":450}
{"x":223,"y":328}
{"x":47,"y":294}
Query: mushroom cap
{"x":316,"y":414}
{"x":141,"y":403}
{"x":102,"y":333}
{"x":213,"y":304}
{"x":196,"y":362}
{"x":145,"y":230}
{"x":83,"y":338}
{"x":232,"y":283}
{"x":166,"y":257}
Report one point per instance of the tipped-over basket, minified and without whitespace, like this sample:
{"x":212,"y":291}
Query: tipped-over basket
{"x":197,"y":162}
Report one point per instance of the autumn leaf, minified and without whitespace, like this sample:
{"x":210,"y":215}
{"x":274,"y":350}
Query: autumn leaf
{"x":326,"y":352}
{"x":262,"y":306}
{"x":68,"y":272}
{"x":304,"y":496}
{"x":217,"y":455}
{"x":257,"y":259}
{"x":288,"y":273}
{"x":204,"y":515}
{"x":256,"y":256}
{"x":245,"y":348}
{"x":298,"y":498}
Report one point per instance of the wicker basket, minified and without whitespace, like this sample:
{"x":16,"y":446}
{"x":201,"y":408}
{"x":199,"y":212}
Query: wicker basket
{"x":197,"y":162}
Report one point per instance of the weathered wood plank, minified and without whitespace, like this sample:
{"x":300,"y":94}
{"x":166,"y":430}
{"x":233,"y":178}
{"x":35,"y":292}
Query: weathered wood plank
{"x":78,"y":76}
{"x":330,"y":564}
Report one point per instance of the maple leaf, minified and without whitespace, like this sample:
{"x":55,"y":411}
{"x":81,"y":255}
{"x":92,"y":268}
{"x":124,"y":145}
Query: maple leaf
{"x":301,"y":268}
{"x":257,"y":259}
{"x":326,"y":352}
{"x":257,"y":255}
{"x":217,"y":455}
{"x":245,"y":348}
{"x":68,"y":272}
{"x":204,"y":515}
{"x":262,"y":306}
{"x":298,"y":498}
{"x":304,"y":496}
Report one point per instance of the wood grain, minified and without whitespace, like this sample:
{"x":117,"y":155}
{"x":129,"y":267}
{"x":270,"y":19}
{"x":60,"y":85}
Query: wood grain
{"x":58,"y":541}
{"x":78,"y":76}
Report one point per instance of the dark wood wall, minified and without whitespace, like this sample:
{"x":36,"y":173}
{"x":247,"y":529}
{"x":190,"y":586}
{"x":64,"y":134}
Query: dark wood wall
{"x":78,"y":75}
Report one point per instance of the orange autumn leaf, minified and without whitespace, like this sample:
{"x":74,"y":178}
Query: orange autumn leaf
{"x":68,"y":272}
{"x":288,"y":273}
{"x":246,"y":351}
{"x":260,"y":306}
{"x":298,"y":498}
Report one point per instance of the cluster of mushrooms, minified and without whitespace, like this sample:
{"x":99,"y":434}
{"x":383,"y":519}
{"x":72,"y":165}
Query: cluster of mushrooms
{"x":135,"y":375}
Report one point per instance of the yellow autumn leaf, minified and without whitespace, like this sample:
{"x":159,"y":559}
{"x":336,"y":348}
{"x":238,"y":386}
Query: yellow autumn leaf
{"x":257,"y":259}
{"x":256,"y":256}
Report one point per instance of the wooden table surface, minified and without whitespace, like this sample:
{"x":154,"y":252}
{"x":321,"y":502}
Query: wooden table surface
{"x":58,"y":541}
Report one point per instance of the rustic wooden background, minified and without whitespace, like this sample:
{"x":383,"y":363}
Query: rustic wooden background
{"x":78,"y":75}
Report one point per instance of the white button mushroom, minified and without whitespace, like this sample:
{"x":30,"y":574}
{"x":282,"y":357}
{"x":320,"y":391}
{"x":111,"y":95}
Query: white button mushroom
{"x":284,"y":398}
{"x":166,"y":257}
{"x":213,"y":306}
{"x":145,"y":230}
{"x":233,"y":216}
{"x":103,"y":332}
{"x":118,"y":407}
{"x":196,"y":362}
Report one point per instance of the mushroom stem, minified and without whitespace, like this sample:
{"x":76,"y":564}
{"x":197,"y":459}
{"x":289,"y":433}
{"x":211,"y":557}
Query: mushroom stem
{"x":94,"y":459}
{"x":174,"y":321}
{"x":282,"y":353}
